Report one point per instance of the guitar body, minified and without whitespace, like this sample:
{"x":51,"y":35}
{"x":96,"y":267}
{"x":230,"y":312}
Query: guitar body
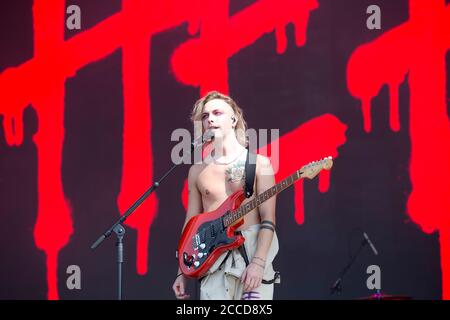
{"x":208,"y":235}
{"x":205,"y":238}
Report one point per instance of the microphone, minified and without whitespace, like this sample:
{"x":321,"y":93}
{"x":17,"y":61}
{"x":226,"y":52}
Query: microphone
{"x":370,"y":243}
{"x":206,"y":137}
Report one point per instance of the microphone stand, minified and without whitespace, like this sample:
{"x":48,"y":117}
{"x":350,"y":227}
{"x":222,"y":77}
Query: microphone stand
{"x":118,"y":228}
{"x":337,"y":286}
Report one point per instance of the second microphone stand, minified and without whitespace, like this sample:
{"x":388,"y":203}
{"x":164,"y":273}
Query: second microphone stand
{"x":337,"y":286}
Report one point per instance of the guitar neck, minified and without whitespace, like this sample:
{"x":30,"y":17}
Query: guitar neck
{"x":235,"y":215}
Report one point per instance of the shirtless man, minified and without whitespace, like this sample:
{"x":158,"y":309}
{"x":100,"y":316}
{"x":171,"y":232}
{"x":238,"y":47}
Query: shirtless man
{"x":210,"y":183}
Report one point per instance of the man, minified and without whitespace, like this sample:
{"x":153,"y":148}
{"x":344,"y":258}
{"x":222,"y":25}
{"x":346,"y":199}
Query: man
{"x":209,"y":185}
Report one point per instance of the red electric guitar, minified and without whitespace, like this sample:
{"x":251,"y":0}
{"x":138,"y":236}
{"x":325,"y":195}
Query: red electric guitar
{"x":207,"y":235}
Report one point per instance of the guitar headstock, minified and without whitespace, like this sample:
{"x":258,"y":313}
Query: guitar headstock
{"x":312,"y":169}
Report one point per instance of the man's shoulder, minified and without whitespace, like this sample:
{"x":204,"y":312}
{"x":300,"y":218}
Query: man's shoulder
{"x":195,"y":169}
{"x":263,"y":166}
{"x":262,"y":160}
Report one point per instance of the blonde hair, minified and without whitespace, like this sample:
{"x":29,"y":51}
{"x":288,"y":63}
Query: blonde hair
{"x":241,"y":125}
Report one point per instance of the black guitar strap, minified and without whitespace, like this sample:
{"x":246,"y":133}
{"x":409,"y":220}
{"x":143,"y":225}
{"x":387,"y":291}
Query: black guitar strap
{"x":250,"y":168}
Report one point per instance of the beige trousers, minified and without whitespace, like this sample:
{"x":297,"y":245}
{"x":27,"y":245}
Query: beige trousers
{"x":223,"y":280}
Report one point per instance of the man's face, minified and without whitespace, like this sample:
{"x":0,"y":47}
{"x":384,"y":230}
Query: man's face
{"x":217,"y":117}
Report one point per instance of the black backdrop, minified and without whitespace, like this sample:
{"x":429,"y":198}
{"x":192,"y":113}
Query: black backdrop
{"x":369,"y":183}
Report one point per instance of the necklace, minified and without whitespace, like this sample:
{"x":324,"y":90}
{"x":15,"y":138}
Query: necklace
{"x":227,"y":163}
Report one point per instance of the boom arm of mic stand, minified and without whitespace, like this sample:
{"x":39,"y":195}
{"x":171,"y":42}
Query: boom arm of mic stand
{"x":337,"y":284}
{"x":129,"y":211}
{"x":139,"y":201}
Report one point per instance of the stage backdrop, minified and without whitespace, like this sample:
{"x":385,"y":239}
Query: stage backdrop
{"x":91,"y":91}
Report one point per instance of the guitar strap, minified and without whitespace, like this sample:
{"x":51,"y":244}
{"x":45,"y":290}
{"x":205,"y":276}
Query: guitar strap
{"x":250,"y":168}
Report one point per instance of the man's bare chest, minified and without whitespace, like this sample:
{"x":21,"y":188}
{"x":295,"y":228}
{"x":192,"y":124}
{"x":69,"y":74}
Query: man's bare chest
{"x":217,"y":182}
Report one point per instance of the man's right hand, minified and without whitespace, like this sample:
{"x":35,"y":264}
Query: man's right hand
{"x":179,"y":287}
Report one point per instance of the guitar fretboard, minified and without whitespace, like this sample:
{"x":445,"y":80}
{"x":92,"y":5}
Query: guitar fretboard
{"x":235,"y":215}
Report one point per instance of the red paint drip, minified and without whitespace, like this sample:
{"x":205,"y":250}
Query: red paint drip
{"x":311,"y":141}
{"x":417,"y":47}
{"x":54,"y":222}
{"x":324,"y":181}
{"x":204,"y":61}
{"x":137,"y":171}
{"x":299,"y":214}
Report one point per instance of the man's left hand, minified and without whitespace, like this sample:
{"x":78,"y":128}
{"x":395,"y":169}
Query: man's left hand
{"x":252,"y":276}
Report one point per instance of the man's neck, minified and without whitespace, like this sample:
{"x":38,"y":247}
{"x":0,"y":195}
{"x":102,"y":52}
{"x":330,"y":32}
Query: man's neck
{"x":230,"y":146}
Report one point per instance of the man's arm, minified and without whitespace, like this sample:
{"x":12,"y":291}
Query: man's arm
{"x":265,"y":179}
{"x":194,"y":207}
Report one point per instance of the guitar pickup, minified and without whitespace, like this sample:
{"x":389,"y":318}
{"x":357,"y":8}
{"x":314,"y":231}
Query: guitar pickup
{"x":202,"y":236}
{"x":195,"y":241}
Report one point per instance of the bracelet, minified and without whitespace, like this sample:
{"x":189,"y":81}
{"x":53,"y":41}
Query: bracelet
{"x":267,"y":222}
{"x":180,"y":274}
{"x":269,"y":225}
{"x":260,"y":259}
{"x":260,"y":265}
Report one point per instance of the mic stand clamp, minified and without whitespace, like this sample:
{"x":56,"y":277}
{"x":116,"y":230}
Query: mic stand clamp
{"x":119,"y":230}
